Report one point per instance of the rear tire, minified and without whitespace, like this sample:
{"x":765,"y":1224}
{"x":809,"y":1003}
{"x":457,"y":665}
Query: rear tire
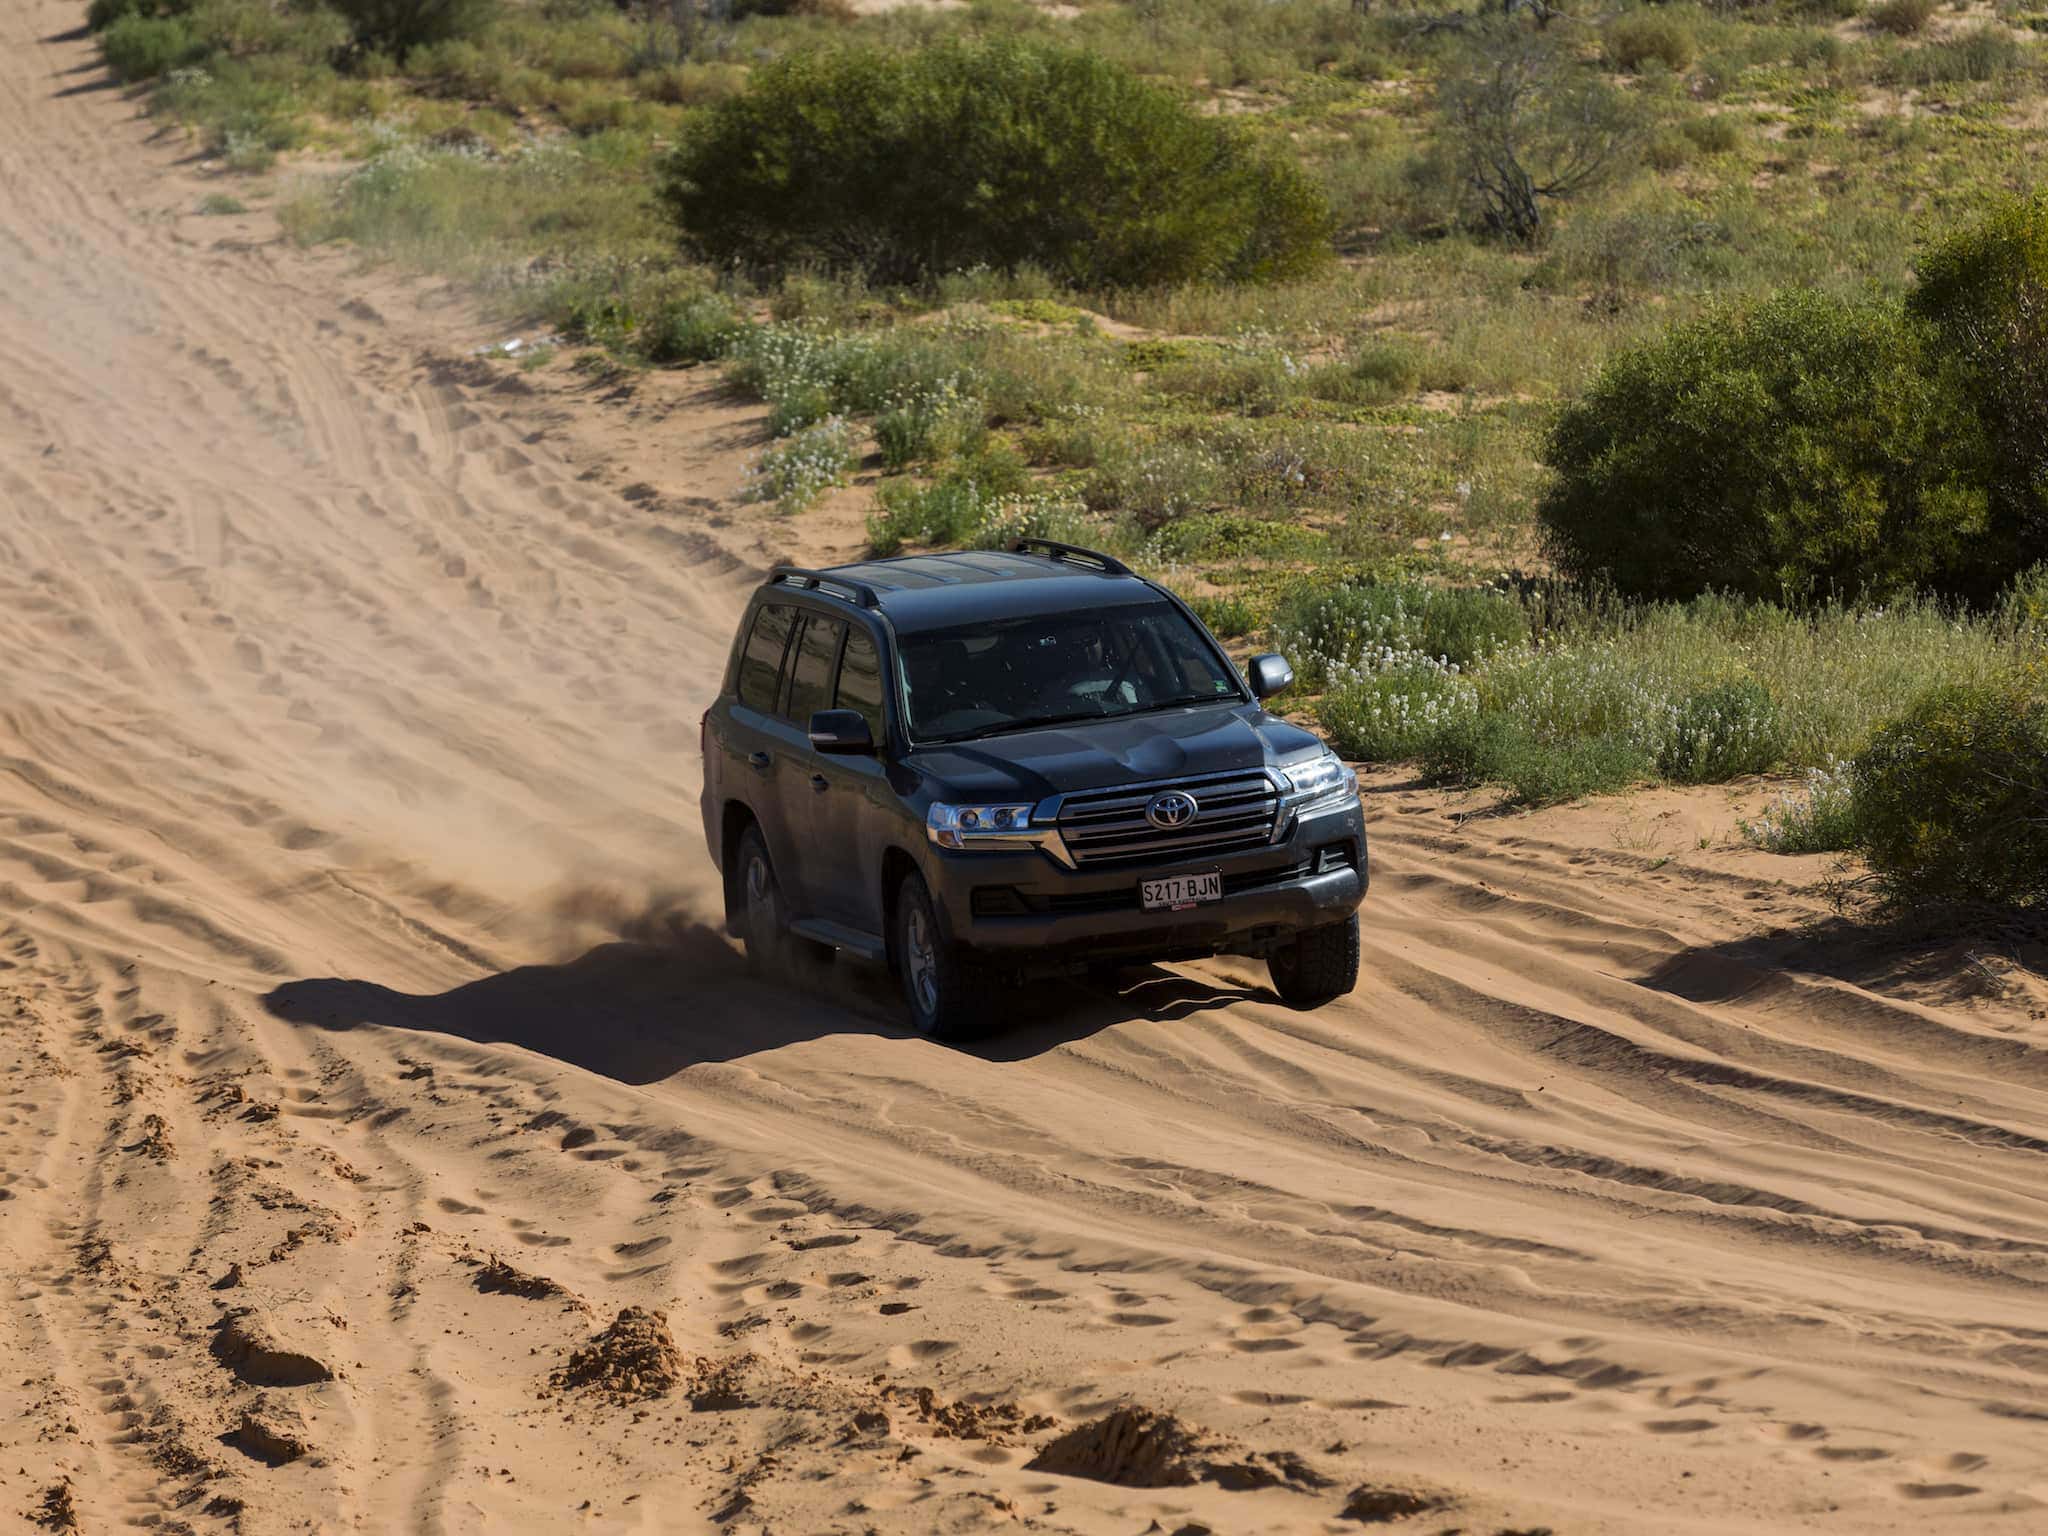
{"x":1320,"y":966}
{"x":949,"y":993}
{"x":763,"y":921}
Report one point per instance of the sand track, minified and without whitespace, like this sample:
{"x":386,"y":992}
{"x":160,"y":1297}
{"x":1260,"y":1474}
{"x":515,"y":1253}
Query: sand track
{"x":352,"y":939}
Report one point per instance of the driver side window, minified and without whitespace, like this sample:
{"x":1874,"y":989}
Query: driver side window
{"x":860,"y":681}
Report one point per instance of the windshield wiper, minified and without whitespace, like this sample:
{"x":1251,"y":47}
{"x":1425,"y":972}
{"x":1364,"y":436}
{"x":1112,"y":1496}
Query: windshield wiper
{"x":1180,"y":703}
{"x":1011,"y":727}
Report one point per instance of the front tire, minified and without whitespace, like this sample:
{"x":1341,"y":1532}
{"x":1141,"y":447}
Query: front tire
{"x":948,"y":993}
{"x":1320,"y":966}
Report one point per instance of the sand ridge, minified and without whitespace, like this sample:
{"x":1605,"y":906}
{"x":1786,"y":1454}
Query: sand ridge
{"x":367,"y":1052}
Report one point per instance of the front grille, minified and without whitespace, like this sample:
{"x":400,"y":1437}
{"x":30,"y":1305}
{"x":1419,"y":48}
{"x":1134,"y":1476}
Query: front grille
{"x":1108,"y":826}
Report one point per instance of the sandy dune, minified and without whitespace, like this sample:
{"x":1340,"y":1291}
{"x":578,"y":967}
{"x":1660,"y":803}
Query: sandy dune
{"x":364,"y":1053}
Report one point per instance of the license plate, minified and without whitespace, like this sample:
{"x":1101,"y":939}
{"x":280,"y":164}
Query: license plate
{"x":1176,"y":893}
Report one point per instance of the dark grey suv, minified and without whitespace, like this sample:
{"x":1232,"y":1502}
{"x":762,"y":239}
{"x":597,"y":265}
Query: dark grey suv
{"x":974,"y":766}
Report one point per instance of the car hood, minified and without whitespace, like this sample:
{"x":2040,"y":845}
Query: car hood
{"x":1096,"y":754}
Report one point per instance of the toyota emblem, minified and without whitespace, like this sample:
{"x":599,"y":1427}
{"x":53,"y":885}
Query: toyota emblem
{"x":1171,"y":810}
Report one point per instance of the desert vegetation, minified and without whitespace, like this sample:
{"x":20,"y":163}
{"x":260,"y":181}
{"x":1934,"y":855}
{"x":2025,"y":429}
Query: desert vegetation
{"x":1584,"y":397}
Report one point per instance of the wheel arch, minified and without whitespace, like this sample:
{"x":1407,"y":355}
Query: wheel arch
{"x":896,"y":863}
{"x":734,"y":820}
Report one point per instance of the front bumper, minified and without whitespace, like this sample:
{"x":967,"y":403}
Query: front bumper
{"x":1023,"y":907}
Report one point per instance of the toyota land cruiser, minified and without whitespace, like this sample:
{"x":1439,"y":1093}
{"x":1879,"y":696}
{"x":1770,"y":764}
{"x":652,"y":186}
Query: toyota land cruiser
{"x":970,"y":766}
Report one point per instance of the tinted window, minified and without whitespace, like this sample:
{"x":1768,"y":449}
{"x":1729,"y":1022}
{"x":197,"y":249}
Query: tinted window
{"x":1019,"y":674}
{"x":761,"y":667}
{"x":860,"y":681}
{"x":810,"y":680}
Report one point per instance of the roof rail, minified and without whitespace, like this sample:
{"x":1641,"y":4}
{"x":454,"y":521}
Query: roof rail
{"x":818,"y":581}
{"x":1052,"y":549}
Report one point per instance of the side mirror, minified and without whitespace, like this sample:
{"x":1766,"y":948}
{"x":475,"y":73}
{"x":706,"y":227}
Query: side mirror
{"x":1269,"y":674}
{"x":841,"y":730}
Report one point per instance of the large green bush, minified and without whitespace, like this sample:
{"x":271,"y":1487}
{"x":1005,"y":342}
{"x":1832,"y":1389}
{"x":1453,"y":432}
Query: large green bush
{"x":906,"y":165}
{"x":102,"y":14}
{"x":396,"y":27}
{"x":139,"y":47}
{"x":1799,"y":447}
{"x":1952,"y":798}
{"x":1986,"y":291}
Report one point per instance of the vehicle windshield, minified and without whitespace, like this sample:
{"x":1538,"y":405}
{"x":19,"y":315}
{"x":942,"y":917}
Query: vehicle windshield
{"x":1019,"y":674}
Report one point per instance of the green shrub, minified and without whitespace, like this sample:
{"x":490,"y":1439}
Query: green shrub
{"x":1716,"y":134}
{"x":1982,"y":53}
{"x":1636,"y":38}
{"x":1903,"y":18}
{"x":1255,"y":382}
{"x":1548,"y":773}
{"x":1473,"y":749}
{"x":691,"y":330}
{"x":1157,"y":483}
{"x":1722,"y":732}
{"x":797,"y":470}
{"x":396,"y":27}
{"x":1985,"y":288}
{"x":1788,"y":450}
{"x":143,"y":47}
{"x":1378,"y":372}
{"x":102,"y":14}
{"x":933,"y":421}
{"x":1051,"y":156}
{"x":1818,"y":817}
{"x":1235,"y":536}
{"x":976,"y":504}
{"x":1331,"y":633}
{"x":1952,"y":798}
{"x":1228,"y":617}
{"x":1391,"y":715}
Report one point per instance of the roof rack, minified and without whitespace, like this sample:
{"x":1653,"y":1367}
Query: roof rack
{"x":818,"y":581}
{"x":1052,"y":549}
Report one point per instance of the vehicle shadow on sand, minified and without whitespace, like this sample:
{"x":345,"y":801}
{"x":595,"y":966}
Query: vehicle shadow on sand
{"x":641,"y":1012}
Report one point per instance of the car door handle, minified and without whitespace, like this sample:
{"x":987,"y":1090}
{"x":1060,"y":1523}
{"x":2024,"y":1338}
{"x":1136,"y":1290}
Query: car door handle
{"x":759,"y":760}
{"x":820,"y":783}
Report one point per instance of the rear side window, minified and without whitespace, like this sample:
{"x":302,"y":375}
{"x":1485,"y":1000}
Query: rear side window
{"x":860,"y":681}
{"x":810,"y":680}
{"x":761,"y":666}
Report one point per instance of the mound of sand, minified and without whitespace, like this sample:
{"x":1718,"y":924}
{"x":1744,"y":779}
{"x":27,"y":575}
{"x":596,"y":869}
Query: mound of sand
{"x":272,"y":1432}
{"x":495,"y":1276}
{"x":265,"y":1352}
{"x":1137,"y":1448}
{"x":635,"y":1357}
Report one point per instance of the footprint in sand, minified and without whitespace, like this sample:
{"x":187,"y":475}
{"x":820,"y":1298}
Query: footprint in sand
{"x":1678,"y":1426}
{"x":1851,"y":1453}
{"x":1938,"y":1490}
{"x":1139,"y":1319}
{"x":454,"y":1207}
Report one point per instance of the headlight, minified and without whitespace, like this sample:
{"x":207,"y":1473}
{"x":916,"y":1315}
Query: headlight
{"x":1320,"y":780}
{"x":978,"y":826}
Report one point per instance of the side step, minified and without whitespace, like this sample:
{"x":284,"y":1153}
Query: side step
{"x":863,"y":946}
